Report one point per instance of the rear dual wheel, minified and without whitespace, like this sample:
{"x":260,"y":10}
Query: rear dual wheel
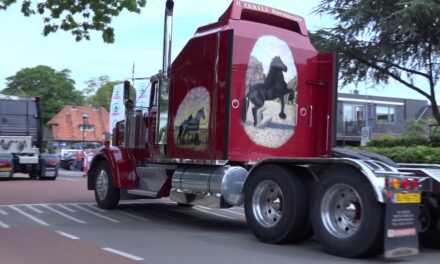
{"x":276,"y":205}
{"x":346,"y":216}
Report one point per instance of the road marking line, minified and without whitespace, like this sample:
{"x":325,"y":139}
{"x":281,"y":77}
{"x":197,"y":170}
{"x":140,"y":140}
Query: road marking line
{"x":96,"y":214}
{"x":70,"y":179}
{"x":134,"y":216}
{"x":3,"y":225}
{"x":130,"y":256}
{"x":232,"y":211}
{"x":66,"y":208}
{"x":209,"y":212}
{"x":63,"y":214}
{"x":204,"y":207}
{"x":93,"y":206}
{"x":34,"y":209}
{"x":3,"y":212}
{"x":33,"y":218}
{"x":67,"y":235}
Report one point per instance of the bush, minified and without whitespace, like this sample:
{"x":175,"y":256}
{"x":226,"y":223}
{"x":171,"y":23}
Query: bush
{"x":390,"y":142}
{"x":434,"y":141}
{"x":419,"y":154}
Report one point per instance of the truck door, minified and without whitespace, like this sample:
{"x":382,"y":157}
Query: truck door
{"x":322,"y":95}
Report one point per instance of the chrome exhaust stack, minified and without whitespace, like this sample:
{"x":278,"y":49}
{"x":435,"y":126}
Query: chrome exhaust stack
{"x":164,"y":81}
{"x":167,"y":38}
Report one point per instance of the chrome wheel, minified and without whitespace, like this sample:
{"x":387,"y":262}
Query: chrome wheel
{"x":267,"y":203}
{"x":341,"y":210}
{"x":102,"y":184}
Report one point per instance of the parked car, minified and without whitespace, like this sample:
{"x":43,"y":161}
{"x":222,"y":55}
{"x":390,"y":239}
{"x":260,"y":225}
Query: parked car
{"x":67,"y":161}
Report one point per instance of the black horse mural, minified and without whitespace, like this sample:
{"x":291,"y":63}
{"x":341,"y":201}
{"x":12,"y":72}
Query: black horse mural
{"x":273,"y":87}
{"x":188,"y":130}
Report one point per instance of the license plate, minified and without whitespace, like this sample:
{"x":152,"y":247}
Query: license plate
{"x":407,"y":198}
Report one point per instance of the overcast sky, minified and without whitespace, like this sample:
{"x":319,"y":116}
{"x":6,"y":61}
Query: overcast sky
{"x":138,"y":40}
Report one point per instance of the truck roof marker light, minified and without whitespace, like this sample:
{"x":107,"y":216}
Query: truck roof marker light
{"x":405,"y":184}
{"x":395,"y":183}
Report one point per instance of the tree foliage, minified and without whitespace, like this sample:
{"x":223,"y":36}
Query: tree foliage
{"x":383,"y":40}
{"x":55,"y":88}
{"x":77,"y":16}
{"x":99,"y":91}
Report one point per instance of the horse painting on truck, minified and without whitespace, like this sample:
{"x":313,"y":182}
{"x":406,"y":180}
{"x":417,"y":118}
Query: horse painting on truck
{"x":273,"y":87}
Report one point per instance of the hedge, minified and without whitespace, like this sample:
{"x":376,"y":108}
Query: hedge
{"x":390,"y":141}
{"x":418,"y":154}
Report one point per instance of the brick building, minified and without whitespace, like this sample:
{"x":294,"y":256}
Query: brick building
{"x":73,"y":124}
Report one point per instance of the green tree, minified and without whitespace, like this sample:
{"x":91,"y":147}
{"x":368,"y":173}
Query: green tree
{"x":55,"y":88}
{"x":383,"y":40}
{"x":78,"y":17}
{"x":99,"y":91}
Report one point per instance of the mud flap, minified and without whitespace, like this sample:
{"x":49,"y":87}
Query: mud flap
{"x":401,"y":225}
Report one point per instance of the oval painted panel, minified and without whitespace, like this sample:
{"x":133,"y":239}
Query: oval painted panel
{"x":269,"y":110}
{"x":192,"y":120}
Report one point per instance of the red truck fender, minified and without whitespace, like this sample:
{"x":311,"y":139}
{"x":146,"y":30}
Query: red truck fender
{"x":120,"y":164}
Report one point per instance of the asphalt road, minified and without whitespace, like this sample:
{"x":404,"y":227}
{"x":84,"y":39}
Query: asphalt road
{"x":58,"y":222}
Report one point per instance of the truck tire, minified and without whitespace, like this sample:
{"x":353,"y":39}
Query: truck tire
{"x":429,"y":218}
{"x":106,"y":196}
{"x":33,"y":175}
{"x":346,"y":216}
{"x":276,"y":205}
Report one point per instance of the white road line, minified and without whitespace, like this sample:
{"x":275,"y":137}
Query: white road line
{"x":63,"y":214}
{"x":33,"y":218}
{"x":134,"y":216}
{"x":67,"y":235}
{"x":3,"y":212}
{"x":70,"y":179}
{"x":96,"y":214}
{"x":204,"y":207}
{"x":93,"y":206}
{"x":232,"y":211}
{"x":3,"y":225}
{"x":133,"y":257}
{"x":34,"y":209}
{"x":209,"y":212}
{"x":66,"y":208}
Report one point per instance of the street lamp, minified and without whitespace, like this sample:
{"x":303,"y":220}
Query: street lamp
{"x":85,"y":116}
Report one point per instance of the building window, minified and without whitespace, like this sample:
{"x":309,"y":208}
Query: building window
{"x":86,"y":128}
{"x":385,"y":114}
{"x":353,"y":113}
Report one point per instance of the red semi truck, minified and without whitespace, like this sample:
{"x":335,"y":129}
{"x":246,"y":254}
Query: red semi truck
{"x":244,"y":116}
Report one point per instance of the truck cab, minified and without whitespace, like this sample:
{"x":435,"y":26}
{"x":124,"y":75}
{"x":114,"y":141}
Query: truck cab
{"x":244,"y":116}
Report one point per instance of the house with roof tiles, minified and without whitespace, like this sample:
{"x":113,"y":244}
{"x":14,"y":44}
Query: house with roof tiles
{"x":78,"y":124}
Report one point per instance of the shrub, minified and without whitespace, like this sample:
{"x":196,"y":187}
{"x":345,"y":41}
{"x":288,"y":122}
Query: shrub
{"x":434,"y":141}
{"x":419,"y":154}
{"x":390,"y":141}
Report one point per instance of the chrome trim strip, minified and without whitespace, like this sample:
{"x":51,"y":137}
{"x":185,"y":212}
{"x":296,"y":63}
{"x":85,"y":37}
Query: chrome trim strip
{"x":188,"y":161}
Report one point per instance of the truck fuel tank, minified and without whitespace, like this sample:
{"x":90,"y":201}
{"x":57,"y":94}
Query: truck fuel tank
{"x":197,"y":182}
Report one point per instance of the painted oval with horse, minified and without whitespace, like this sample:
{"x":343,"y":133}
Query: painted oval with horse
{"x":192,"y":120}
{"x":269,"y":104}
